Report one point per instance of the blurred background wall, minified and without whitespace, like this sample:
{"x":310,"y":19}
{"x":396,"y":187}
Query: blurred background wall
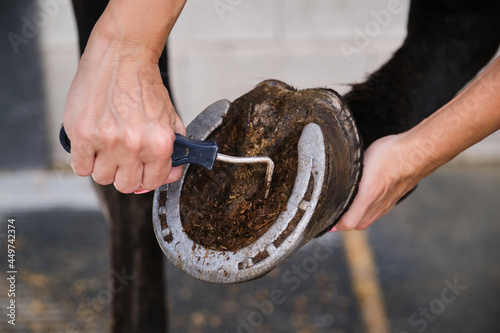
{"x":22,"y":99}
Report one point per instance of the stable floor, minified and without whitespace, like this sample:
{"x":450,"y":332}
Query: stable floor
{"x":435,"y":269}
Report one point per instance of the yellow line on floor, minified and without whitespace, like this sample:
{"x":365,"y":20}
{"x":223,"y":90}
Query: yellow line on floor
{"x":365,"y":281}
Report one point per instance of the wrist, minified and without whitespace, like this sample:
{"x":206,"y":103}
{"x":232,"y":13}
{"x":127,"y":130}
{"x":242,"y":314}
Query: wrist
{"x":108,"y":35}
{"x":106,"y":47}
{"x":138,"y":26}
{"x":420,"y":153}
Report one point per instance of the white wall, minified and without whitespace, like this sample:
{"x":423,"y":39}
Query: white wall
{"x":222,"y":54}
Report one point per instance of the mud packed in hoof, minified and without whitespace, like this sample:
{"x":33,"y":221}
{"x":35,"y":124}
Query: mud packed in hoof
{"x":226,"y":208}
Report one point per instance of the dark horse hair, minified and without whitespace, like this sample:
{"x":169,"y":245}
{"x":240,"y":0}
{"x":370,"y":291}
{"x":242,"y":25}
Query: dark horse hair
{"x":447,"y":43}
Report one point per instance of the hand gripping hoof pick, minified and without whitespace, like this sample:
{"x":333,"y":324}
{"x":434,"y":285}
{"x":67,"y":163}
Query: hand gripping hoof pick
{"x":200,"y":152}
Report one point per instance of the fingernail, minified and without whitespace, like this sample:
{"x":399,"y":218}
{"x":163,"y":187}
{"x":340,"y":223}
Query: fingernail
{"x":333,"y":229}
{"x":142,"y":192}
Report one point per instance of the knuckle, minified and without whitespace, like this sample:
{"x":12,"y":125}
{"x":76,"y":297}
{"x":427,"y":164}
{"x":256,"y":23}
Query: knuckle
{"x":85,"y":133}
{"x":160,"y":154}
{"x":110,"y":136}
{"x":163,"y":143}
{"x":84,"y":150}
{"x":83,"y":138}
{"x":133,"y":141}
{"x":108,"y":139}
{"x":106,"y":127}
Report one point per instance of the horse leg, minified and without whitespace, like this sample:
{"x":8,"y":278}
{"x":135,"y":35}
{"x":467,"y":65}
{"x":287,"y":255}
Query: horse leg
{"x":447,"y":43}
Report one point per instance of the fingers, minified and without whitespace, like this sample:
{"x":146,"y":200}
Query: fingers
{"x":175,"y":174}
{"x":135,"y":161}
{"x":156,"y":157}
{"x":367,"y":207}
{"x":82,"y":159}
{"x":160,"y":171}
{"x":104,"y":170}
{"x":128,"y":178}
{"x":179,"y":125}
{"x":131,"y":170}
{"x":143,"y":167}
{"x":353,"y":217}
{"x":155,"y":174}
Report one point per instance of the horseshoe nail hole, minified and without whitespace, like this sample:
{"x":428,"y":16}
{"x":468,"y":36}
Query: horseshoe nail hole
{"x":289,"y":228}
{"x":163,"y":198}
{"x":168,"y":238}
{"x":245,"y":264}
{"x":310,"y":188}
{"x":163,"y":221}
{"x":259,"y":257}
{"x":270,"y":248}
{"x":303,"y":205}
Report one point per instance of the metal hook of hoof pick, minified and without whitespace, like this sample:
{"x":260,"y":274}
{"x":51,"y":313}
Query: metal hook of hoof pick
{"x":200,"y":152}
{"x":205,"y":153}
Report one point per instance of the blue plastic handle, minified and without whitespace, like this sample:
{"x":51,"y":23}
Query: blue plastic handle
{"x":199,"y":152}
{"x":186,"y":150}
{"x":64,"y":140}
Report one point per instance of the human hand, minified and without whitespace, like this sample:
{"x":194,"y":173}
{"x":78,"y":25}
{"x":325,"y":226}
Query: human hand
{"x":389,"y":173}
{"x":393,"y":165}
{"x":120,"y":119}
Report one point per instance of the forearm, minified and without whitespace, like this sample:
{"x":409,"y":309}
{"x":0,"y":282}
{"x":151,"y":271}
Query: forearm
{"x":467,"y":119}
{"x":136,"y":26}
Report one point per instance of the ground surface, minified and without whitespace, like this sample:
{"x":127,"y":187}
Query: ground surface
{"x":445,"y":234}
